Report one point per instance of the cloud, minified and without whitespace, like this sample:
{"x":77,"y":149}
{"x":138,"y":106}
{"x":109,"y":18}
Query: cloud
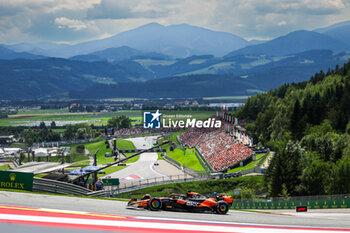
{"x":121,"y":9}
{"x":282,"y":23}
{"x":310,"y":7}
{"x":74,"y":24}
{"x":79,"y":20}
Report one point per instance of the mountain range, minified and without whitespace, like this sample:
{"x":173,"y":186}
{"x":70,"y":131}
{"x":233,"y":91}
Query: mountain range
{"x":8,"y":54}
{"x":175,"y":40}
{"x":154,"y":53}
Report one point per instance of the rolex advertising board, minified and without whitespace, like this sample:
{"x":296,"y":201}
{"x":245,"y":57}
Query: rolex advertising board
{"x":16,"y":180}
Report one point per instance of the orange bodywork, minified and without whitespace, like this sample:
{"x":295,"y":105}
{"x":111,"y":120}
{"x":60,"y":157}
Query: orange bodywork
{"x":181,"y":201}
{"x":208,"y":202}
{"x":143,"y":203}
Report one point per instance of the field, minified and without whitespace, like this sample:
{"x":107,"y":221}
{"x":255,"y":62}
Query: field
{"x":125,"y":145}
{"x":98,"y":119}
{"x":93,"y":118}
{"x":186,"y":157}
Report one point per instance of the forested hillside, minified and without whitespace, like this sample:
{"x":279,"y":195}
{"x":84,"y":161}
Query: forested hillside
{"x":307,"y":124}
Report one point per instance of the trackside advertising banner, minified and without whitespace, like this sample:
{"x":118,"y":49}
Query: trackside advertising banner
{"x":312,"y":204}
{"x":16,"y":180}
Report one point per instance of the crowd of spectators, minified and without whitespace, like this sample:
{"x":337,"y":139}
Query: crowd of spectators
{"x":218,"y":148}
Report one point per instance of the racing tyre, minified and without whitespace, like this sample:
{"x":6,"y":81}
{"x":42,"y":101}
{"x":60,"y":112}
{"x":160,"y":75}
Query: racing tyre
{"x":154,"y":204}
{"x":221,"y":207}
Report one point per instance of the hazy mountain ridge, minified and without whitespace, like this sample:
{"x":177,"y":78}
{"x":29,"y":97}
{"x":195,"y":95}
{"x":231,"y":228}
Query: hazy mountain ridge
{"x":114,"y":55}
{"x":49,"y":77}
{"x":185,"y":86}
{"x":8,"y":54}
{"x":290,"y":58}
{"x":294,"y":42}
{"x":175,"y":40}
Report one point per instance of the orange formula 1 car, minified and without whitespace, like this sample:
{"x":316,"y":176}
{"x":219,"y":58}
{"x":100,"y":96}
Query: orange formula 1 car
{"x":193,"y":202}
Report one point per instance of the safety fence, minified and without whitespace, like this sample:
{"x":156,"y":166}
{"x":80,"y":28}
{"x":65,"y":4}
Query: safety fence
{"x":186,"y":169}
{"x":172,"y":161}
{"x":54,"y":186}
{"x":195,"y":173}
{"x":312,"y":202}
{"x":203,"y":161}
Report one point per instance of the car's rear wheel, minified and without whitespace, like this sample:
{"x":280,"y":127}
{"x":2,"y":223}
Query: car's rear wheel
{"x":221,"y":207}
{"x":154,"y":204}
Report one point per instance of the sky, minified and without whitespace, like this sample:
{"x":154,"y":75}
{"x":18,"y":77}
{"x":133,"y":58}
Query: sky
{"x":73,"y":21}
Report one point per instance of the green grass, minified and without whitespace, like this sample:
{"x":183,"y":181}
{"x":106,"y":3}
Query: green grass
{"x":110,"y":170}
{"x":249,"y":165}
{"x":59,"y":130}
{"x":173,"y":137}
{"x":160,"y":157}
{"x":133,"y":159}
{"x":53,"y":116}
{"x":18,"y":145}
{"x":125,"y":145}
{"x":81,"y":163}
{"x":73,"y":149}
{"x":4,"y":167}
{"x":204,"y":187}
{"x":188,"y":158}
{"x":92,"y":147}
{"x":44,"y":111}
{"x":41,"y":175}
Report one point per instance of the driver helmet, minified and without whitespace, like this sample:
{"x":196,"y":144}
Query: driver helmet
{"x":189,"y":194}
{"x":146,"y":196}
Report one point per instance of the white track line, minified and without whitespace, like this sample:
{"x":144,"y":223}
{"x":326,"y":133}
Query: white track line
{"x":155,"y":225}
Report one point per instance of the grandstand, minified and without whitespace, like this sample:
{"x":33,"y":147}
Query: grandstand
{"x":217,"y":146}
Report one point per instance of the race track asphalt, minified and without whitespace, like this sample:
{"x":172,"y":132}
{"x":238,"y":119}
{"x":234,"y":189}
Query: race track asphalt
{"x":336,"y":220}
{"x":143,"y":167}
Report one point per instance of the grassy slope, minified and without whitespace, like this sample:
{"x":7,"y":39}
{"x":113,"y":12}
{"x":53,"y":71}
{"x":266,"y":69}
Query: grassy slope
{"x":110,"y":170}
{"x":173,"y":137}
{"x":4,"y":167}
{"x":204,"y":187}
{"x":188,"y":157}
{"x":92,"y":147}
{"x":125,"y":145}
{"x":249,"y":165}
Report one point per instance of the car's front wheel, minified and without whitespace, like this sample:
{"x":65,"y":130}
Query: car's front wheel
{"x":154,"y":204}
